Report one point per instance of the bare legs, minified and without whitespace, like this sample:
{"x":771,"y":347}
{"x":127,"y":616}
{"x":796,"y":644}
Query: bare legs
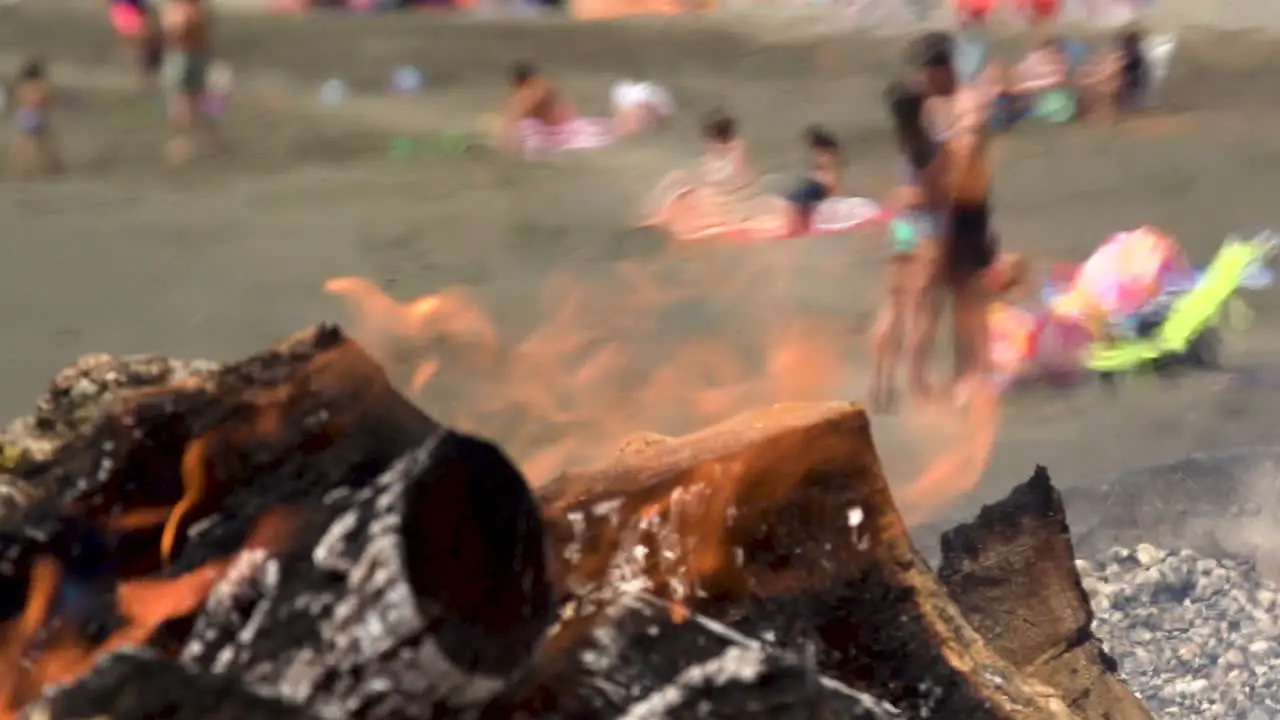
{"x":182,"y":107}
{"x":907,"y":321}
{"x":189,"y":126}
{"x":973,"y":357}
{"x":33,"y":153}
{"x":923,"y":326}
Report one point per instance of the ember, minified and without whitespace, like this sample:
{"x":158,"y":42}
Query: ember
{"x":288,"y":535}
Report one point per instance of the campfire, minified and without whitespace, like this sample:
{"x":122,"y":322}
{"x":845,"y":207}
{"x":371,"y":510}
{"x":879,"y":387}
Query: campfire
{"x":289,"y":536}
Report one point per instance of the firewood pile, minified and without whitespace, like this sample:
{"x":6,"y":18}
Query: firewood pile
{"x":289,"y":537}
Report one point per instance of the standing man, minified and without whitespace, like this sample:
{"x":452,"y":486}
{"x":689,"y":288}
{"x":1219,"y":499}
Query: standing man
{"x":185,"y":25}
{"x":933,"y":78}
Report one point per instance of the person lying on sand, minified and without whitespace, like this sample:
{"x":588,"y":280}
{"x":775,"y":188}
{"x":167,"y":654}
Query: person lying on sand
{"x":725,"y":162}
{"x":34,"y":148}
{"x":640,"y":106}
{"x":722,"y":190}
{"x":532,"y":97}
{"x":1118,"y":80}
{"x":187,"y":44}
{"x":1045,"y":69}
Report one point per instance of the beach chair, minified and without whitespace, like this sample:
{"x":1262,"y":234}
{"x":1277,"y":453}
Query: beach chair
{"x":1182,"y":329}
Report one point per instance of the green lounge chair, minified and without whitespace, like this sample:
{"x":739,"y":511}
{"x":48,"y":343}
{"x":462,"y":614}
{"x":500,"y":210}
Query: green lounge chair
{"x":1190,"y":316}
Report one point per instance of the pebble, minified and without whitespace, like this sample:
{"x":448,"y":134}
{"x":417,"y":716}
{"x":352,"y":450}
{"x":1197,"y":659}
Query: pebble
{"x":1194,"y":636}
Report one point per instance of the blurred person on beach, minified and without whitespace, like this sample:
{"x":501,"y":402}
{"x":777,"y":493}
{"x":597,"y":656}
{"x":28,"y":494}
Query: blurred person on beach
{"x":34,"y":148}
{"x":1118,"y":80}
{"x":187,"y":54}
{"x":723,"y":178}
{"x":136,"y":25}
{"x":725,"y":163}
{"x":917,"y":205}
{"x":934,"y":78}
{"x":1045,"y":68}
{"x":971,"y":54}
{"x":964,"y":262}
{"x":532,"y":97}
{"x":970,"y":249}
{"x":824,"y":179}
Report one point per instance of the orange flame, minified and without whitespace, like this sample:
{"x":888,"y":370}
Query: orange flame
{"x":602,"y":366}
{"x":145,"y":603}
{"x":958,"y":469}
{"x":594,"y":371}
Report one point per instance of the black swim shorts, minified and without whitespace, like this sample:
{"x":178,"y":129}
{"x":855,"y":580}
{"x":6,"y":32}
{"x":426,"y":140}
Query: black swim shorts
{"x":970,"y":247}
{"x":808,"y":194}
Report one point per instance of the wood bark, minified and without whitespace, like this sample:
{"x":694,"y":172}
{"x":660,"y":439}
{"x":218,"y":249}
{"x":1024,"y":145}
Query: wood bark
{"x":1012,"y":573}
{"x":781,"y":524}
{"x":143,"y":685}
{"x":404,"y":538}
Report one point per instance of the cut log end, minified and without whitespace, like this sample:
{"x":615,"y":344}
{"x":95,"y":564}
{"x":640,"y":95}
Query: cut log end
{"x":781,"y":523}
{"x":435,"y":539}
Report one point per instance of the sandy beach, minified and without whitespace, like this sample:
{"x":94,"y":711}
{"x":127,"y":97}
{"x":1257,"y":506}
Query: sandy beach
{"x":124,"y":255}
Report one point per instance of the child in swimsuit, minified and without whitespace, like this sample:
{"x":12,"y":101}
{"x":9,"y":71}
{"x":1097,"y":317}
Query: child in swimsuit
{"x":823,"y":180}
{"x":532,"y":98}
{"x":722,"y":181}
{"x":34,"y":148}
{"x":724,"y":164}
{"x":914,"y":202}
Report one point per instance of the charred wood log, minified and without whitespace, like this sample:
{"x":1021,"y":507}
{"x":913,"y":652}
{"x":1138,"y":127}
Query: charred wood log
{"x":147,"y":686}
{"x":71,"y":408}
{"x":438,"y":558}
{"x":781,"y":523}
{"x":632,"y":660}
{"x":1012,"y":573}
{"x":425,"y":592}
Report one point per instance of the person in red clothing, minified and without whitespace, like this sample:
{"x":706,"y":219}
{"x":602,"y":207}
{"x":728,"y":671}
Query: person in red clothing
{"x":1038,"y":12}
{"x":973,"y":11}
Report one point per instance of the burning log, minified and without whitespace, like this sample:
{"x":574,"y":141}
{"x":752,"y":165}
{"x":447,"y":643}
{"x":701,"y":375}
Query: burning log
{"x":632,"y":660}
{"x":187,"y":472}
{"x":426,"y":591}
{"x":780,"y":523}
{"x":145,"y":685}
{"x":1012,"y":573}
{"x":71,"y":408}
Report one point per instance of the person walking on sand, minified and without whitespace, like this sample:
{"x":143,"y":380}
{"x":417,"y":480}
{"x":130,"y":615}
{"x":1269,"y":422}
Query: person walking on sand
{"x":187,"y":45}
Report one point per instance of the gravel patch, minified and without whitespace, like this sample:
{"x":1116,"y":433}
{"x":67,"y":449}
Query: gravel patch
{"x":1196,"y":637}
